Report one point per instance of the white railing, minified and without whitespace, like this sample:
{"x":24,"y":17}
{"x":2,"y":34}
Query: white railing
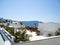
{"x":6,"y":38}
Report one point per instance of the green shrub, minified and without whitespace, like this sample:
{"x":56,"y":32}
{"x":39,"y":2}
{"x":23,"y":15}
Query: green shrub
{"x":9,"y":29}
{"x":57,"y":33}
{"x":22,"y":36}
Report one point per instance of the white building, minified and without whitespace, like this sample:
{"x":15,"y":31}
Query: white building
{"x":17,"y":26}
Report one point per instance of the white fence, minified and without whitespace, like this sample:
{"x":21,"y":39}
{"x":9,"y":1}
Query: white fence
{"x":5,"y":39}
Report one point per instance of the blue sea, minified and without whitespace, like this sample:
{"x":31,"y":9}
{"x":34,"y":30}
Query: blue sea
{"x":31,"y":23}
{"x":26,"y":23}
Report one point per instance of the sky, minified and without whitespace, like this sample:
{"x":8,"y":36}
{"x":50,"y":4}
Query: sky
{"x":31,"y":10}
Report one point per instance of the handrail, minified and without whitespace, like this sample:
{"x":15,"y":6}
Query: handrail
{"x":10,"y":39}
{"x":3,"y":36}
{"x":6,"y":37}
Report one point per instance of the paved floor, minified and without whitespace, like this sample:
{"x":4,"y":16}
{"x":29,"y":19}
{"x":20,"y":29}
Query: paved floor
{"x":52,"y":41}
{"x":17,"y":44}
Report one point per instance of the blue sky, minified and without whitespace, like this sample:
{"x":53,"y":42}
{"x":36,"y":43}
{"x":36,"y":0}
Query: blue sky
{"x":27,"y":10}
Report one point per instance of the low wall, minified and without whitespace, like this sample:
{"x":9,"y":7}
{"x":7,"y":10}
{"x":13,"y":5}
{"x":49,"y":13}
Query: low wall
{"x":50,"y":41}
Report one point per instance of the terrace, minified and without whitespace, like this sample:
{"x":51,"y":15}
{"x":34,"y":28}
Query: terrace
{"x":33,"y":39}
{"x":28,"y":35}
